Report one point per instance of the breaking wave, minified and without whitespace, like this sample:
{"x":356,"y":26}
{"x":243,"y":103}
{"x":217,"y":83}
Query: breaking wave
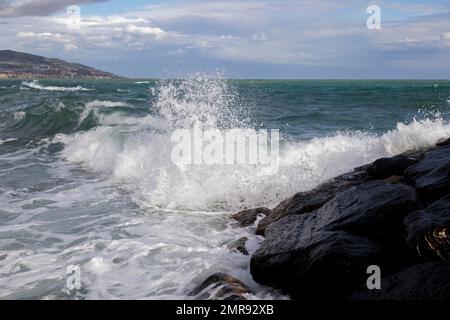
{"x":140,"y":157}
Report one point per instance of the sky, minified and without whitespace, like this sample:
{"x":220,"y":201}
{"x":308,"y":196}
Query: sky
{"x":281,"y":39}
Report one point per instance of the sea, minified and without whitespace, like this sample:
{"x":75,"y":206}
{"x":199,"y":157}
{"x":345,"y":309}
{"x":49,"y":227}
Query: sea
{"x":93,"y":207}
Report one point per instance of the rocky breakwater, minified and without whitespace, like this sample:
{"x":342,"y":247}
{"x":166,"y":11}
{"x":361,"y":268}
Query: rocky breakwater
{"x":393,"y":213}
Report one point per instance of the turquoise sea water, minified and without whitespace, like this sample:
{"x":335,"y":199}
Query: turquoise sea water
{"x":86,"y":177}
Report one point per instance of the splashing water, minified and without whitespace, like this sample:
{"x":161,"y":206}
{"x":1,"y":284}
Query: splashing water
{"x":142,"y":158}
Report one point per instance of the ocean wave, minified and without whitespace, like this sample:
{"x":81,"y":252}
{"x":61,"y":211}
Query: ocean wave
{"x":36,"y":85}
{"x":106,"y":104}
{"x":142,"y":158}
{"x":144,"y":161}
{"x":92,"y":106}
{"x":141,"y":82}
{"x":45,"y":120}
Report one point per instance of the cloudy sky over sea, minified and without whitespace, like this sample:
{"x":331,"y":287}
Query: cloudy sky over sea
{"x":249,"y":39}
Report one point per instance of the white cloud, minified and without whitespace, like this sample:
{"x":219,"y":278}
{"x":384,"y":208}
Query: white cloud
{"x":226,"y":37}
{"x":259,"y":37}
{"x":157,"y":32}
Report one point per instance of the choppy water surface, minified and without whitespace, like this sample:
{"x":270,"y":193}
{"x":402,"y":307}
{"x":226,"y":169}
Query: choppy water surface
{"x":86,"y":177}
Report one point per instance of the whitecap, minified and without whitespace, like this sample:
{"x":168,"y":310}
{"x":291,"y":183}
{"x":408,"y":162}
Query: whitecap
{"x":35,"y":85}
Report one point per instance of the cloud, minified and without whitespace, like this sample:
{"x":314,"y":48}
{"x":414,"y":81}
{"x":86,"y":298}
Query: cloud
{"x":157,"y":32}
{"x":37,"y":7}
{"x":259,"y":37}
{"x":272,"y":34}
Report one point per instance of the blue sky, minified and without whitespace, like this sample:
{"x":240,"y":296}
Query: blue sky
{"x":242,"y":39}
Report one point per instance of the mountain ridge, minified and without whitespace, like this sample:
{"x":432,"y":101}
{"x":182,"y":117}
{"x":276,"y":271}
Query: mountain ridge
{"x":15,"y":64}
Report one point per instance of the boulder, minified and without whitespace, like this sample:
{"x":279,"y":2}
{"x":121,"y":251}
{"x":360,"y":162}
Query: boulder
{"x":301,"y":202}
{"x":239,"y":246}
{"x":394,"y":179}
{"x":386,"y":167}
{"x":428,"y":230}
{"x":247,"y":217}
{"x":326,"y":264}
{"x":304,"y":202}
{"x":430,"y":175}
{"x":435,"y":183}
{"x":220,"y":286}
{"x":431,"y":160}
{"x":427,"y":281}
{"x":443,"y":142}
{"x":327,"y":251}
{"x":375,"y":209}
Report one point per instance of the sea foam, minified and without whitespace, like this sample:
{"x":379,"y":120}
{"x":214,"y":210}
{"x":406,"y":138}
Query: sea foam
{"x":141,"y":157}
{"x":36,"y":85}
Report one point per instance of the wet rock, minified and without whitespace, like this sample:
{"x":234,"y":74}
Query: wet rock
{"x":386,"y":167}
{"x":428,"y":281}
{"x":443,"y":142}
{"x":247,"y":217}
{"x":394,"y":179}
{"x":434,"y":184}
{"x":375,"y":209}
{"x":327,"y":251}
{"x":417,"y":154}
{"x":301,"y":202}
{"x":221,"y":286}
{"x":326,"y":264}
{"x":304,"y":202}
{"x":428,"y":230}
{"x":433,"y":159}
{"x":239,"y":246}
{"x":118,"y":260}
{"x":430,"y":175}
{"x":438,"y":241}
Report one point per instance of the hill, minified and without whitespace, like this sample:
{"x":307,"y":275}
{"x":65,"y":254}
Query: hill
{"x":15,"y":64}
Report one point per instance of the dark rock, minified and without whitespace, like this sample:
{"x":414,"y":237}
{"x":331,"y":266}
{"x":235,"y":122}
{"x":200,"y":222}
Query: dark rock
{"x":428,"y":231}
{"x":301,"y":202}
{"x":430,"y":175}
{"x":328,"y":250}
{"x":434,"y":184}
{"x":443,"y":142}
{"x":248,"y":216}
{"x":304,"y":202}
{"x":220,"y":286}
{"x":417,"y":154}
{"x":428,"y":281}
{"x":118,"y":260}
{"x":375,"y":209}
{"x":431,"y":160}
{"x":394,"y":179}
{"x":327,"y":264}
{"x":239,"y":246}
{"x":386,"y":167}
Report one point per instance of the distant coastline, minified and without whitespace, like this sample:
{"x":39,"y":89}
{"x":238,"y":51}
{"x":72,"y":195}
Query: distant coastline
{"x":20,"y":65}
